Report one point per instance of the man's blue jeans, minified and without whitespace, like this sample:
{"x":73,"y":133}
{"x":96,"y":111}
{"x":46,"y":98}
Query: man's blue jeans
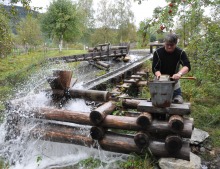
{"x":177,"y":92}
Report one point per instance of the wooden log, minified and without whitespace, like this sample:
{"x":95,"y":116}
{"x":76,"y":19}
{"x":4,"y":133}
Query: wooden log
{"x":64,"y":77}
{"x":94,"y":95}
{"x":111,"y":142}
{"x":142,"y":140}
{"x":179,"y":109}
{"x":142,"y":83}
{"x":99,"y":114}
{"x":103,"y":64}
{"x":97,"y":133}
{"x":144,"y":120}
{"x":63,"y":115}
{"x":158,"y":149}
{"x":62,"y":134}
{"x":173,"y":144}
{"x":176,"y":122}
{"x":136,"y":77}
{"x":114,"y":122}
{"x":130,"y":103}
{"x":131,"y":81}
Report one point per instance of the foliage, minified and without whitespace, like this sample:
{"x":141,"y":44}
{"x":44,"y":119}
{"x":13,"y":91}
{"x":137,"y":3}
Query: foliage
{"x":5,"y":35}
{"x":61,"y":21}
{"x":138,"y":162}
{"x":28,"y":31}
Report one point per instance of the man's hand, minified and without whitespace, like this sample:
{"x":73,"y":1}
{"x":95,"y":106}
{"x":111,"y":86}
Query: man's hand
{"x":176,"y":76}
{"x":157,"y":74}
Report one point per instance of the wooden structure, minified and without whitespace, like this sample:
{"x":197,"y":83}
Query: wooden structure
{"x":164,"y":138}
{"x":157,"y":45}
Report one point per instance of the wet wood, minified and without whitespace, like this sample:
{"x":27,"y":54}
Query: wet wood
{"x":176,"y":122}
{"x":142,"y":83}
{"x":131,"y":81}
{"x":158,"y":149}
{"x":111,"y":141}
{"x":97,"y":133}
{"x":62,"y":79}
{"x":114,"y":122}
{"x":92,"y":95}
{"x":144,"y":120}
{"x":142,"y":140}
{"x":103,"y":64}
{"x":63,"y":115}
{"x":139,"y":77}
{"x":130,"y":103}
{"x":99,"y":114}
{"x":173,"y":144}
{"x":178,"y":109}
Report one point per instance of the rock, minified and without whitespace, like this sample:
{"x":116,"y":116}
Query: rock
{"x":198,"y":136}
{"x":172,"y":163}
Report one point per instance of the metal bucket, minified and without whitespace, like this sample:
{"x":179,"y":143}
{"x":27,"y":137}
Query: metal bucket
{"x":161,"y":93}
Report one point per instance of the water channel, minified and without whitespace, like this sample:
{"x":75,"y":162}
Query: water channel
{"x":24,"y":152}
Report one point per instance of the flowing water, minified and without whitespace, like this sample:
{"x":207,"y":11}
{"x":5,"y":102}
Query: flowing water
{"x":22,"y":151}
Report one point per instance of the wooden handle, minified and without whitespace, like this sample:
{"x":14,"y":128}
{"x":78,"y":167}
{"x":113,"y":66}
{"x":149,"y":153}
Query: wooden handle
{"x":189,"y":78}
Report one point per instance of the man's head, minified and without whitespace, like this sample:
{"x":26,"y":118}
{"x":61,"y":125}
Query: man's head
{"x":170,"y":42}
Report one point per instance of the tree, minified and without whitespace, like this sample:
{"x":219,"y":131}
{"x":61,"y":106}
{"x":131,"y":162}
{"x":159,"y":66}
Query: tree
{"x":5,"y":36}
{"x":28,"y":31}
{"x":62,"y":21}
{"x":85,"y":8}
{"x":124,"y":19}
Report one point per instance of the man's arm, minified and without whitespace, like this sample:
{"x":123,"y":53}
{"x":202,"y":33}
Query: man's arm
{"x":156,"y":65}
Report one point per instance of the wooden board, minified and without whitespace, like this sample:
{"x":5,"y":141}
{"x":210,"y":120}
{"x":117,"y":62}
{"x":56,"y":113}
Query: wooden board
{"x":180,"y":109}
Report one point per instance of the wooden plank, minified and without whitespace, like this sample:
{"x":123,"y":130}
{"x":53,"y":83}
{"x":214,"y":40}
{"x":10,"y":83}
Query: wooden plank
{"x":136,"y":76}
{"x":179,"y":109}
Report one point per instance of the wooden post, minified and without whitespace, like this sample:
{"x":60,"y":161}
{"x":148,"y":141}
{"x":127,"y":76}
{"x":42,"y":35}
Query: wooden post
{"x":99,"y":114}
{"x":61,"y":80}
{"x":144,"y":120}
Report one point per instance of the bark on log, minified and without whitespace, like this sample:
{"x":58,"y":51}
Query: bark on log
{"x":158,"y":149}
{"x":92,"y":95}
{"x":63,"y":115}
{"x":63,"y":77}
{"x":111,"y":141}
{"x":130,"y":103}
{"x":173,"y":144}
{"x":115,"y":122}
{"x":99,"y":114}
{"x":144,"y":120}
{"x":103,"y":64}
{"x":141,"y":139}
{"x":176,"y":122}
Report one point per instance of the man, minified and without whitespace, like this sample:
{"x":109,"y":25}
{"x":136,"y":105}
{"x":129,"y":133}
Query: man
{"x":167,"y":60}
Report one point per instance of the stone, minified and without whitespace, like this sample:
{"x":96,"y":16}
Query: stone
{"x":198,"y":136}
{"x":172,"y":163}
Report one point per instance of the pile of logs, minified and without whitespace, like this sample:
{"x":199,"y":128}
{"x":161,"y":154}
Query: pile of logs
{"x":166,"y":137}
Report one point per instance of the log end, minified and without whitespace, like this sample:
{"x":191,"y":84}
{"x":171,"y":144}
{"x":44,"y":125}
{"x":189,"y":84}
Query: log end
{"x":173,"y":144}
{"x":97,"y":133}
{"x":95,"y":117}
{"x":176,"y":122}
{"x":141,"y":140}
{"x":144,"y":120}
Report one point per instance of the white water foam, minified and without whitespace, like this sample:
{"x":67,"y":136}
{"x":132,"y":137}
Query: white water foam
{"x":24,"y":152}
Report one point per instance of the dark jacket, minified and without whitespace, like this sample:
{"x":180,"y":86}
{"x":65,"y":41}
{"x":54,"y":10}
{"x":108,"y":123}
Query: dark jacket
{"x":169,"y":63}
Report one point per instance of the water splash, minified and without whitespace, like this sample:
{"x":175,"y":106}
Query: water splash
{"x":24,"y":152}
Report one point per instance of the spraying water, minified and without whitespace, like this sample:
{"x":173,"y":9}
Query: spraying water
{"x":22,"y":151}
